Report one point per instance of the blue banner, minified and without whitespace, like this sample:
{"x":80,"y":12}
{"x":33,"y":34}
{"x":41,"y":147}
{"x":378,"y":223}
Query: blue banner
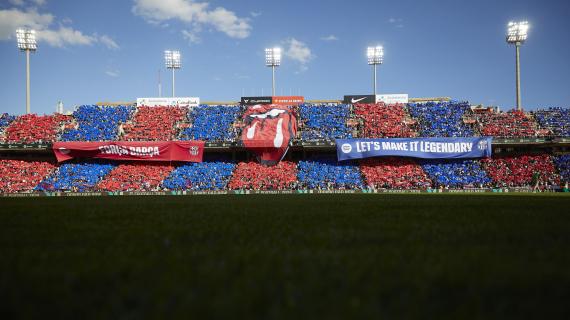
{"x":426,"y":148}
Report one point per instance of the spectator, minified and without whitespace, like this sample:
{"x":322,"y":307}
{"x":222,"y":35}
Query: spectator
{"x":466,"y":173}
{"x":31,"y":128}
{"x":209,"y":175}
{"x":98,"y":123}
{"x":212,"y":123}
{"x":327,"y":174}
{"x":517,"y":171}
{"x":563,"y":164}
{"x":155,"y":123}
{"x":22,"y":176}
{"x":135,"y":177}
{"x":442,"y":119}
{"x":394,"y":173}
{"x":380,"y":121}
{"x":254,"y":176}
{"x":5,"y":120}
{"x":76,"y":177}
{"x":324,"y":122}
{"x":506,"y":124}
{"x":555,"y":120}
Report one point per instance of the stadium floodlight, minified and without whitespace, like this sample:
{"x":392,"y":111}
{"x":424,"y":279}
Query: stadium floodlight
{"x":375,"y":57}
{"x":273,"y":59}
{"x":517,"y":33}
{"x":172,"y":60}
{"x":26,"y":39}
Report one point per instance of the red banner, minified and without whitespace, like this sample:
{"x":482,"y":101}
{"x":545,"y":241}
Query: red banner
{"x":191,"y":151}
{"x":268,"y":131}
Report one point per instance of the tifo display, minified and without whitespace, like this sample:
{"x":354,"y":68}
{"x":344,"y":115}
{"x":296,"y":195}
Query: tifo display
{"x":455,"y":139}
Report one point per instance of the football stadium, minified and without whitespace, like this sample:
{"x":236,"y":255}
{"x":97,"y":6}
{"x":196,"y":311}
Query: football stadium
{"x":282,"y":206}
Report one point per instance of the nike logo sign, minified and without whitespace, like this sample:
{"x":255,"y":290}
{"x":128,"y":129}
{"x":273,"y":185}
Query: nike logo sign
{"x":356,"y":100}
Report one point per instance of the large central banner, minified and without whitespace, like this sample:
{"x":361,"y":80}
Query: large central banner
{"x":190,"y":151}
{"x":268,"y":131}
{"x":426,"y":148}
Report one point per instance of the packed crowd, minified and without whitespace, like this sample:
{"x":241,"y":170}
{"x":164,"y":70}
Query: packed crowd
{"x":327,"y":121}
{"x":154,"y":123}
{"x":441,"y":119}
{"x":255,"y":176}
{"x":522,"y":171}
{"x":136,"y":177}
{"x":556,"y":120}
{"x":31,"y":128}
{"x":562,"y":163}
{"x":465,"y":173}
{"x":97,"y":123}
{"x":506,"y":124}
{"x":394,"y":173}
{"x":209,"y":175}
{"x":328,"y":174}
{"x":380,"y":120}
{"x":76,"y":177}
{"x":5,"y":120}
{"x":22,"y":176}
{"x":212,"y":123}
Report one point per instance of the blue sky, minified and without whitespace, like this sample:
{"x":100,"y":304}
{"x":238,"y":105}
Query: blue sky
{"x":108,"y":50}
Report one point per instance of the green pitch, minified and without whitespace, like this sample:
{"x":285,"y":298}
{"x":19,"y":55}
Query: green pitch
{"x":326,"y":256}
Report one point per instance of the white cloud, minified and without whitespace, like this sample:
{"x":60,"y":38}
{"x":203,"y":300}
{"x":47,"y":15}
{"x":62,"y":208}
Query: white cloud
{"x":22,"y":3}
{"x":255,"y":14}
{"x":64,"y":36}
{"x":397,"y":22}
{"x":113,"y":73}
{"x":331,"y":37}
{"x":196,"y":14}
{"x":109,"y":42}
{"x":191,"y":36}
{"x":12,"y":19}
{"x":298,"y":51}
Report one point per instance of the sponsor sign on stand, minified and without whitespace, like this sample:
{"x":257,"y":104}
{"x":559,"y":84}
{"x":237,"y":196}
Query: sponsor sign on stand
{"x":352,"y":99}
{"x":392,"y":98}
{"x":288,"y":100}
{"x":250,"y":101}
{"x":165,"y":101}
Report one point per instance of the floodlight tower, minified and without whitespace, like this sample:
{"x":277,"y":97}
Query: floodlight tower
{"x":517,"y":33}
{"x":273,"y":59}
{"x":172,"y":59}
{"x":375,"y":57}
{"x":27,"y":42}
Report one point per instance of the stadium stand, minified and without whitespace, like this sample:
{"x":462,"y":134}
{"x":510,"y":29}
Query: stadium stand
{"x":208,"y":175}
{"x":442,"y":119}
{"x":324,"y":121}
{"x":506,"y":124}
{"x":212,"y":123}
{"x":394,"y":173}
{"x":518,"y":171}
{"x":5,"y":120}
{"x":555,"y":120}
{"x":254,"y":176}
{"x":76,"y":177}
{"x":154,"y":123}
{"x":97,"y":123}
{"x":380,"y":120}
{"x":135,"y":177}
{"x":22,"y":176}
{"x":326,"y":174}
{"x":562,"y":163}
{"x":31,"y":128}
{"x":457,"y":174}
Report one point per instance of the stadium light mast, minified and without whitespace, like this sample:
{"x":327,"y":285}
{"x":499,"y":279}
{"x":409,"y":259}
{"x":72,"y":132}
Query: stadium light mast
{"x":172,"y":60}
{"x":375,"y":57}
{"x":517,"y":32}
{"x":26,"y":39}
{"x":273,"y":59}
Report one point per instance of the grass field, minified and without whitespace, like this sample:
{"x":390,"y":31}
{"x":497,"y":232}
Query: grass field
{"x":269,"y":256}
